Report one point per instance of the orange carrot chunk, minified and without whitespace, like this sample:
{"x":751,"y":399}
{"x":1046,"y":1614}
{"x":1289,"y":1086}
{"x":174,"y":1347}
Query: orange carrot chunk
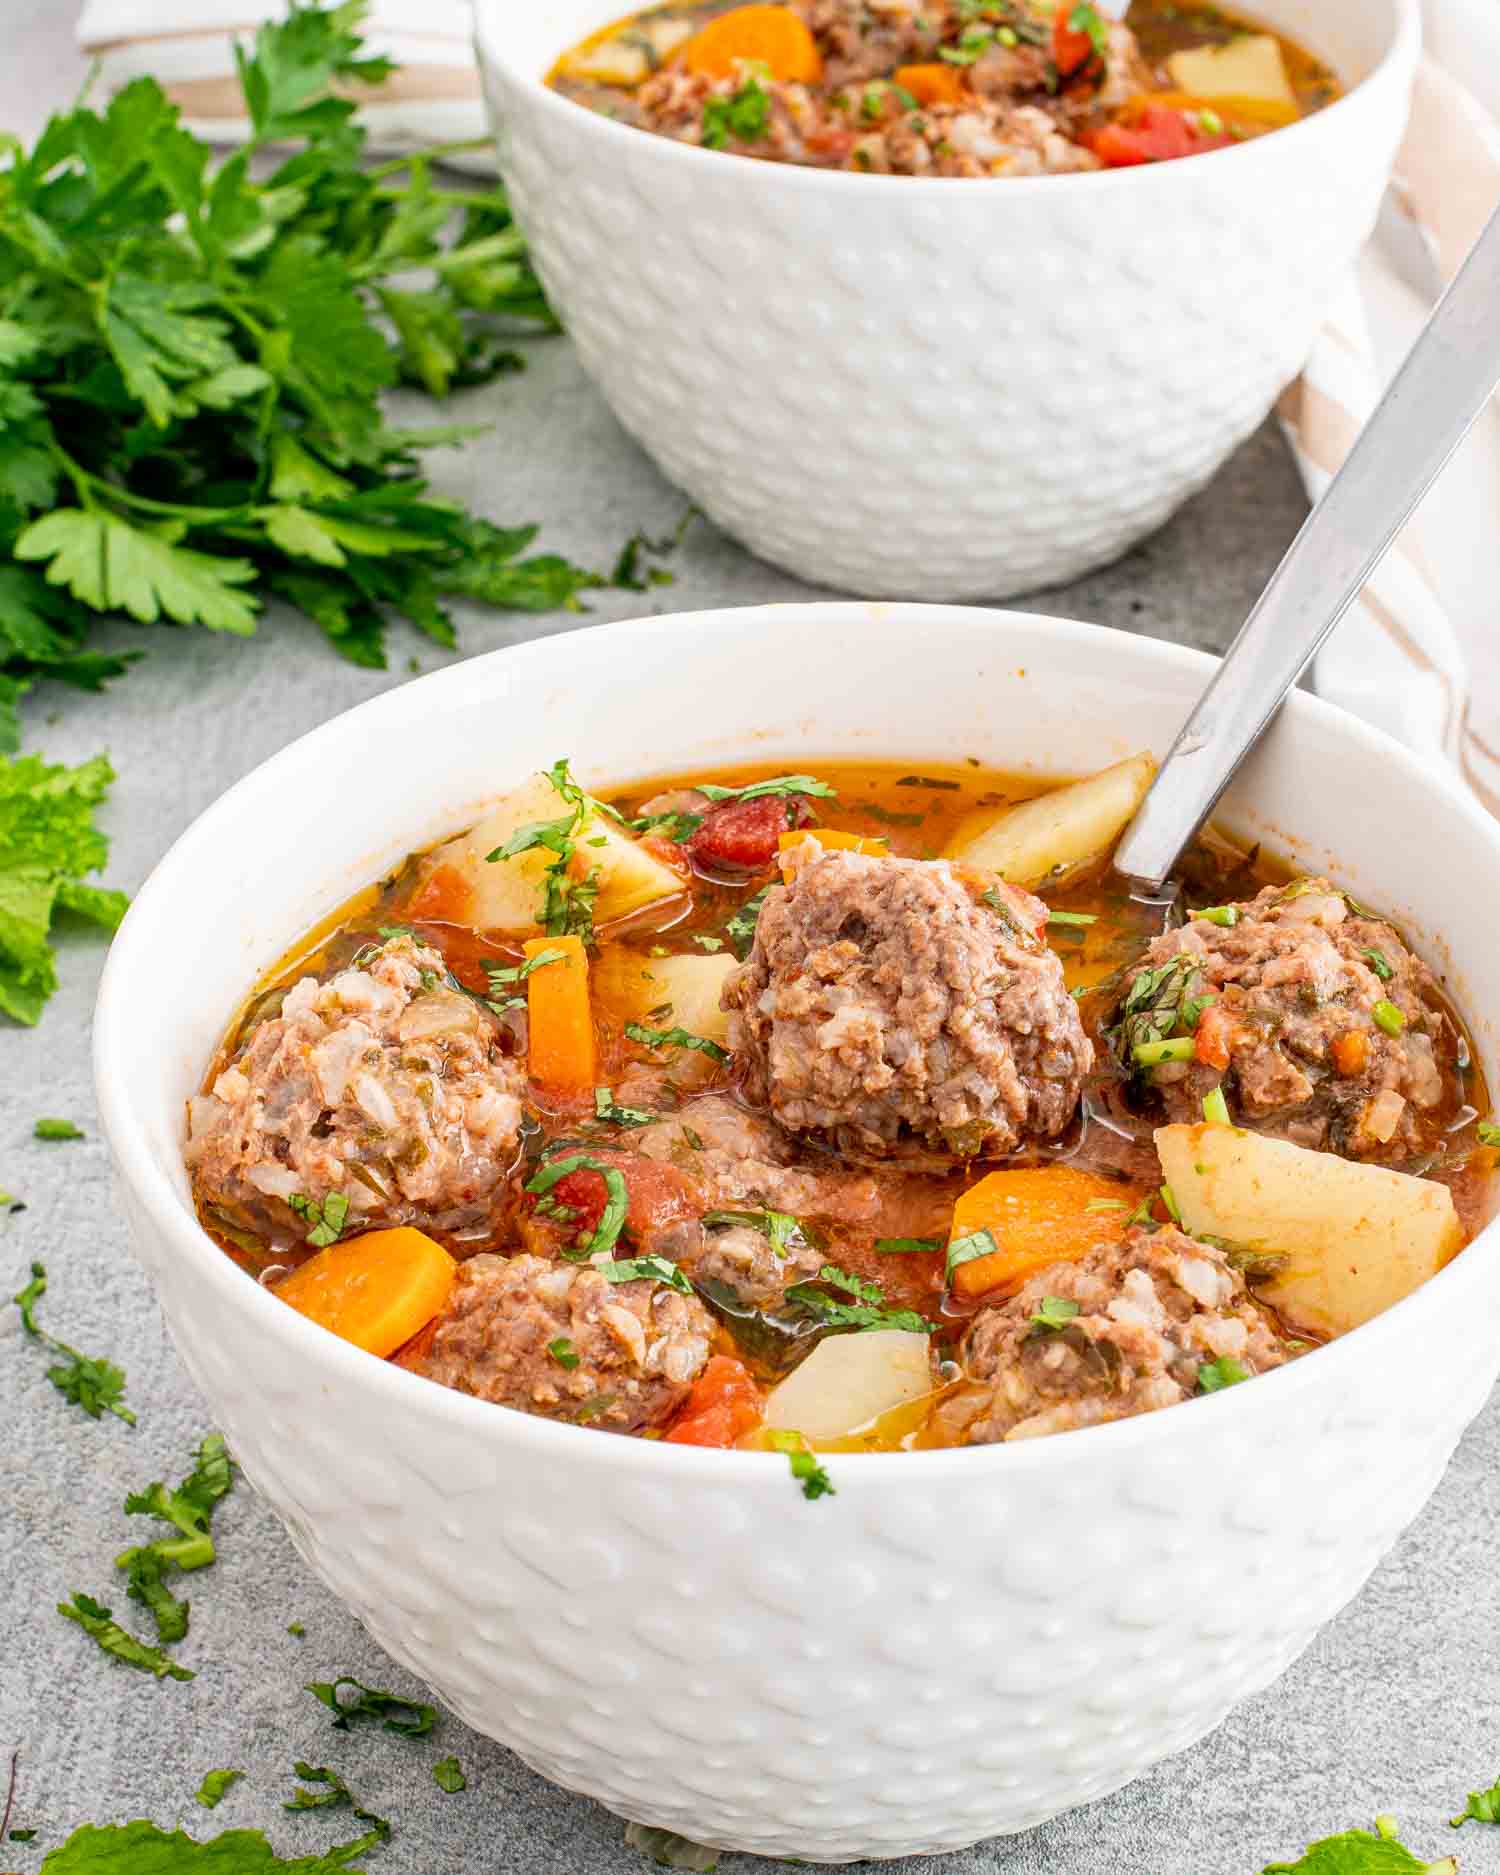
{"x":1351,"y":1053}
{"x":377,"y":1291}
{"x":933,"y":84}
{"x":770,"y":36}
{"x":560,"y":1017}
{"x":1036,"y":1216}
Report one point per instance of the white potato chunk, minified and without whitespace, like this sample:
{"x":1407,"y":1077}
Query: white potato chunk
{"x":507,"y":895}
{"x":1357,"y":1238}
{"x":691,"y":985}
{"x":1249,"y":67}
{"x":848,"y":1380}
{"x":1058,"y":833}
{"x":609,"y":62}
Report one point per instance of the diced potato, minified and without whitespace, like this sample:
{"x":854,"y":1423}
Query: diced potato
{"x":691,"y":985}
{"x":848,"y":1380}
{"x":507,"y":895}
{"x":1058,"y":833}
{"x":609,"y":62}
{"x":377,"y":1290}
{"x":1357,"y":1238}
{"x":1037,"y":1215}
{"x":1249,"y":67}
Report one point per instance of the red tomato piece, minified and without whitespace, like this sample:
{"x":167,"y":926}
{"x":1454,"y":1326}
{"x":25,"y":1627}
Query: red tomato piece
{"x":741,"y":836}
{"x":1071,"y":50}
{"x":1214,"y":1036}
{"x":723,"y":1406}
{"x":1157,"y":135}
{"x":658,"y":1195}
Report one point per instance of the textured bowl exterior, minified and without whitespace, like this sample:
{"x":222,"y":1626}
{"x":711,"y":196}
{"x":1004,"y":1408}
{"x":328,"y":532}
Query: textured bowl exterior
{"x":957,"y":1644}
{"x":957,"y":390}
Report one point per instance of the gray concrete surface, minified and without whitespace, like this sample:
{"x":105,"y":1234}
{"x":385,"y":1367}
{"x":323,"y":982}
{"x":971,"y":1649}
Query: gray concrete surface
{"x":1394,"y":1708}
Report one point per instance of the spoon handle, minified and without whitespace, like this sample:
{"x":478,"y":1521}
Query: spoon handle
{"x":1448,"y":378}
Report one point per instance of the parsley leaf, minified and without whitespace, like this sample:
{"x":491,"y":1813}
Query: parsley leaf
{"x":669,"y":1850}
{"x":189,"y":1509}
{"x":744,"y":116}
{"x":784,"y":1231}
{"x":1054,"y":1312}
{"x":448,"y":1775}
{"x":867,"y":1309}
{"x":95,"y":1385}
{"x":606,"y":1109}
{"x":56,"y":1129}
{"x":978,"y":1243}
{"x":215,"y":1787}
{"x":780,"y":787}
{"x":48,"y":845}
{"x":606,"y":1232}
{"x":410,"y":1717}
{"x":325,"y":1219}
{"x":675,"y":1038}
{"x":806,"y":1470}
{"x":906,"y":1246}
{"x":131,"y":1848}
{"x":1214,"y":1376}
{"x":740,"y":930}
{"x":107,"y":1634}
{"x":333,"y":1794}
{"x":1357,"y":1852}
{"x":646,"y":1269}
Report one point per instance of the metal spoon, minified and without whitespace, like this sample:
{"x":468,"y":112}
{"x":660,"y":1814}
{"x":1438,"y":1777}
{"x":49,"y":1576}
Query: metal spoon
{"x":1449,"y":376}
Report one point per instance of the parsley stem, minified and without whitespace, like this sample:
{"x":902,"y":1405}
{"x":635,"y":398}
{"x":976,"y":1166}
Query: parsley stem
{"x":435,"y":154}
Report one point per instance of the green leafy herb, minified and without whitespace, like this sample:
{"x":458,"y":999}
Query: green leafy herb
{"x":806,"y":1470}
{"x":1483,"y":1807}
{"x":907,"y":1246}
{"x":867,"y":1309}
{"x":1488,"y":1132}
{"x":332,"y":1794}
{"x":48,"y":841}
{"x":1357,"y":1852}
{"x":95,"y":1385}
{"x":410,"y":1717}
{"x":1054,"y":1312}
{"x":1169,"y":1201}
{"x":785,"y":1232}
{"x":929,"y":781}
{"x":448,"y":1775}
{"x":135,"y":1848}
{"x":705,"y":942}
{"x":743,"y":116}
{"x":296,"y":1629}
{"x":215,"y":1787}
{"x":675,"y":1038}
{"x":646,"y":1269}
{"x":567,"y":906}
{"x":56,"y":1129}
{"x":563,"y":1352}
{"x":978,"y":1243}
{"x":193,"y":359}
{"x":1068,"y":918}
{"x":887,"y":816}
{"x":189,"y":1509}
{"x":106,"y":1633}
{"x":1153,"y":1054}
{"x":1388,"y":1017}
{"x":977,"y":40}
{"x":781,"y":787}
{"x":740,"y":930}
{"x":1226,"y":915}
{"x":629,"y":575}
{"x":616,"y":1196}
{"x":506,"y":976}
{"x":1379,"y":963}
{"x":606,"y":1109}
{"x":1106,"y":1204}
{"x":1214,"y":1376}
{"x":1157,"y":1005}
{"x":1085,"y":18}
{"x":1216,"y":1107}
{"x":325,"y":1220}
{"x":669,"y":1850}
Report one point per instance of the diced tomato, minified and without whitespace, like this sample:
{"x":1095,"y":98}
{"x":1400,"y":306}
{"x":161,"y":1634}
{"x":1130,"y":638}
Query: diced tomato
{"x":723,"y":1406}
{"x":1071,"y":50}
{"x":585,"y":1194}
{"x":658,"y":1194}
{"x":1153,"y":135}
{"x":1214,"y":1037}
{"x":741,"y":836}
{"x":443,"y":897}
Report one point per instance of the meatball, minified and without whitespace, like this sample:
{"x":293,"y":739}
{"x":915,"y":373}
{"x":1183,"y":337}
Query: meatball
{"x":903,"y":1007}
{"x":562,"y":1341}
{"x":383,"y":1085}
{"x":743,"y":1258}
{"x":1293,"y":998}
{"x":1153,"y":1310}
{"x":858,"y":40}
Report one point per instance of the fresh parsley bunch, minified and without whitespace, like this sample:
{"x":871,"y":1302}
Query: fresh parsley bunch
{"x":192,"y":358}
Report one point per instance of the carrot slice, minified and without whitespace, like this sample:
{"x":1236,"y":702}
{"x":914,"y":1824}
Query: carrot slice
{"x":833,"y":840}
{"x":771,"y":36}
{"x":1036,"y":1216}
{"x":561,"y":1019}
{"x":933,"y":84}
{"x":378,"y":1290}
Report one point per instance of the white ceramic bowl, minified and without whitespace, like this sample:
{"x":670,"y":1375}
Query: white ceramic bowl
{"x":955,"y":389}
{"x":959,"y":1643}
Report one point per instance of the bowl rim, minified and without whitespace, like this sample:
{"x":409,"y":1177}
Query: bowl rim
{"x":147,"y":928}
{"x":1396,"y":66}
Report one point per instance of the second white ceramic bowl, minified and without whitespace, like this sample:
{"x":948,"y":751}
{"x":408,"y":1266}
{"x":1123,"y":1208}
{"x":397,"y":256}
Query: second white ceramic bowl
{"x":958,"y":1644}
{"x":938,"y":388}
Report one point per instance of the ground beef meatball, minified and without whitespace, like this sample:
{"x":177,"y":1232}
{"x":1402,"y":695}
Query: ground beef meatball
{"x":862,"y":39}
{"x":743,"y":1258}
{"x":902,"y":1007}
{"x":560,"y":1340}
{"x":383,"y":1084}
{"x":1305,"y":991}
{"x":1153,"y":1310}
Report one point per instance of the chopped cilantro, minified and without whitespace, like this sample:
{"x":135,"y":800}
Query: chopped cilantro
{"x":605,"y":1109}
{"x":1158,"y":1004}
{"x":806,"y":1470}
{"x":448,"y":1775}
{"x":1489,"y":1133}
{"x":1054,"y":1312}
{"x":56,"y":1129}
{"x":906,"y":1246}
{"x":866,"y":1311}
{"x":107,"y":1635}
{"x":646,"y":1269}
{"x":215,"y":1787}
{"x":1483,"y":1807}
{"x":783,"y":1230}
{"x":325,"y":1220}
{"x":334,"y":1793}
{"x":1357,"y":1852}
{"x":978,"y":1243}
{"x":710,"y":944}
{"x":96,"y":1385}
{"x":616,"y":1196}
{"x":781,"y":786}
{"x":744,"y":116}
{"x":1214,"y":1376}
{"x":410,"y":1717}
{"x":189,"y":1509}
{"x":740,"y":930}
{"x":567,"y":904}
{"x":135,"y":1848}
{"x":506,"y":976}
{"x":1379,"y":963}
{"x":675,"y":1038}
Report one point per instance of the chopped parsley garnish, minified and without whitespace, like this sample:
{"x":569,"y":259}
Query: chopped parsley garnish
{"x":1388,"y":1017}
{"x":1379,"y":963}
{"x":1483,"y":1807}
{"x":1226,"y":915}
{"x":334,"y":1793}
{"x":97,"y":1386}
{"x":976,"y":41}
{"x":605,"y":1109}
{"x":708,"y":943}
{"x":781,"y":786}
{"x":676,"y":827}
{"x":390,"y":932}
{"x":929,"y":781}
{"x":410,"y":1717}
{"x":906,"y":1246}
{"x":867,"y":1310}
{"x":1158,"y":1003}
{"x":1489,"y":1133}
{"x":978,"y":1243}
{"x":595,"y":1408}
{"x":325,"y":1220}
{"x":616,"y":1196}
{"x":215,"y":1787}
{"x":1216,"y":1107}
{"x":675,"y":1038}
{"x":744,"y":116}
{"x":567,"y":907}
{"x":1062,"y":918}
{"x":1053,"y":1313}
{"x":106,"y":1633}
{"x":647,"y":1269}
{"x":448,"y":1775}
{"x":189,"y":1509}
{"x":296,"y":1629}
{"x":563,"y":1352}
{"x":56,"y":1129}
{"x":806,"y":1470}
{"x":506,"y":976}
{"x":783,"y":1230}
{"x":1214,"y":1376}
{"x":1357,"y":1852}
{"x":887,"y":816}
{"x":1085,"y":19}
{"x":740,"y":930}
